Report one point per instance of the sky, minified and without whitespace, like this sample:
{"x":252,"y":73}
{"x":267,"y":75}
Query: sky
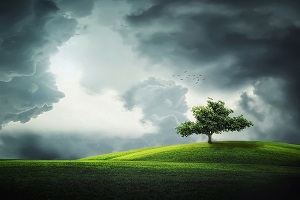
{"x":87,"y":77}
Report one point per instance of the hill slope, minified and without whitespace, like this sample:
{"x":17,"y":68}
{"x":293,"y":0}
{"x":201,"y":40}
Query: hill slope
{"x":233,"y":152}
{"x":232,"y":170}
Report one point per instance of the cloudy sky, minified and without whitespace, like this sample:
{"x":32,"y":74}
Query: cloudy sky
{"x":87,"y":77}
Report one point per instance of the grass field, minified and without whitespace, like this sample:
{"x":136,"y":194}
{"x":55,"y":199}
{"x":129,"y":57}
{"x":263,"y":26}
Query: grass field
{"x":222,"y":170}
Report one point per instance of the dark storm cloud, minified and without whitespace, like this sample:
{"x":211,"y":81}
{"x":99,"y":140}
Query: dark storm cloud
{"x":26,"y":97}
{"x":259,"y":37}
{"x":271,"y":111}
{"x":238,"y":42}
{"x":77,"y":8}
{"x":31,"y":32}
{"x":30,"y":145}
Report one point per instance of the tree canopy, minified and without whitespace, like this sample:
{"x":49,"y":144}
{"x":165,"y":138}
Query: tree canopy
{"x":213,"y":118}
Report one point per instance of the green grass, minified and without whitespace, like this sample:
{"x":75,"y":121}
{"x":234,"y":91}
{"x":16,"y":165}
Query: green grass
{"x":222,"y":170}
{"x":240,"y":152}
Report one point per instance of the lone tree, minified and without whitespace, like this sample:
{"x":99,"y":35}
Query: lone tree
{"x":213,"y":118}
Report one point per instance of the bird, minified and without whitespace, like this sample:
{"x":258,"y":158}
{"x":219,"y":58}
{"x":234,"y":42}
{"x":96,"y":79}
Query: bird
{"x":196,"y":78}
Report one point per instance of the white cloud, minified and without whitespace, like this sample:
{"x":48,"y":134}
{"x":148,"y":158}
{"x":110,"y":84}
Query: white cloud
{"x":80,"y":112}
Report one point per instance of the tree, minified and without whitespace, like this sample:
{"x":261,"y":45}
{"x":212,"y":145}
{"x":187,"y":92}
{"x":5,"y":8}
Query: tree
{"x":210,"y":119}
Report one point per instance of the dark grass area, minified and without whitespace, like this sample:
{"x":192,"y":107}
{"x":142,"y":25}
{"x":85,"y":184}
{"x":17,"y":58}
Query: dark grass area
{"x":219,"y":171}
{"x":144,"y":180}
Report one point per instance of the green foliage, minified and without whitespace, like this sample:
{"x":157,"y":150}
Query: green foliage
{"x":213,"y":118}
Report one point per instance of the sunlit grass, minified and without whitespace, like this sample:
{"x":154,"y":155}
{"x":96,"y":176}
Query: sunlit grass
{"x":253,"y":152}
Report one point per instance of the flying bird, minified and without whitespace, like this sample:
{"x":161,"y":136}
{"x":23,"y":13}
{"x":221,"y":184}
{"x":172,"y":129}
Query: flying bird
{"x":184,"y":76}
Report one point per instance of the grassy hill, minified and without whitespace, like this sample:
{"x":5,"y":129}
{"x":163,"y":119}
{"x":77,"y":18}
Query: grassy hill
{"x":222,"y":170}
{"x":238,"y":152}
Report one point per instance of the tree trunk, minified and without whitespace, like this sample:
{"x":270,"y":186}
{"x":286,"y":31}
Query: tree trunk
{"x":209,"y":139}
